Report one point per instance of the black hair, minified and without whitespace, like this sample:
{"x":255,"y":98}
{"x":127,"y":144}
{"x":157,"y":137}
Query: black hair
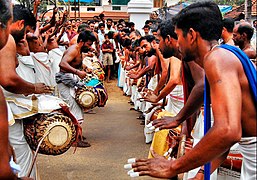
{"x":5,"y":11}
{"x":121,"y":20}
{"x":109,"y":19}
{"x":167,"y":28}
{"x":229,"y":24}
{"x":101,"y":25}
{"x":247,"y":29}
{"x":119,"y":24}
{"x":22,"y":13}
{"x":148,"y":21}
{"x":110,"y":34}
{"x":126,"y":30}
{"x":101,"y":15}
{"x":148,"y":38}
{"x":204,"y":17}
{"x":91,"y":22}
{"x":82,"y":27}
{"x":146,"y":26}
{"x":131,"y":24}
{"x":127,"y":43}
{"x":86,"y":35}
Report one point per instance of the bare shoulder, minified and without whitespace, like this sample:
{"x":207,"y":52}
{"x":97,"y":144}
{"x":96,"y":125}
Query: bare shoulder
{"x":221,"y":63}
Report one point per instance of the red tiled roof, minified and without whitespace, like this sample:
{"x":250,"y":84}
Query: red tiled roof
{"x":89,"y":15}
{"x":240,"y":10}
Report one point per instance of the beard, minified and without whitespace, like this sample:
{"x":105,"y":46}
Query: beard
{"x":18,"y":35}
{"x":168,"y":52}
{"x":109,"y":26}
{"x":84,"y":49}
{"x":188,"y":56}
{"x":151,"y":52}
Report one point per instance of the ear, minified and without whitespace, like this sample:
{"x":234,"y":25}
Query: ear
{"x":192,"y":35}
{"x":168,"y":39}
{"x":20,"y":24}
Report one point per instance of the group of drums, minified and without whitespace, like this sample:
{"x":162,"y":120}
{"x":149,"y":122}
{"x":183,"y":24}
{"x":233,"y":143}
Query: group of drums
{"x":54,"y":133}
{"x":173,"y":144}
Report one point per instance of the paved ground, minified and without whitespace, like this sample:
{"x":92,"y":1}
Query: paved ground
{"x":115,"y":135}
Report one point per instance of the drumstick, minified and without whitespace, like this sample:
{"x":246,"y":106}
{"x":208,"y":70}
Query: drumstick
{"x":36,"y":153}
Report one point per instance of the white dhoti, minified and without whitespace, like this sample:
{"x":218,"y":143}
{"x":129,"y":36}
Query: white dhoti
{"x":24,"y":154}
{"x":248,"y":149}
{"x":55,"y":57}
{"x":175,"y":100}
{"x":44,"y":73}
{"x":197,"y":134}
{"x":68,"y":96}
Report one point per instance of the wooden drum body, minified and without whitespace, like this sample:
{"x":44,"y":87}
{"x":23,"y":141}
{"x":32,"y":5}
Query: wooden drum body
{"x":58,"y":132}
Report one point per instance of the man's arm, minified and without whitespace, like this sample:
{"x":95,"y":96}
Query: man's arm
{"x":194,"y":101}
{"x":174,"y":80}
{"x":67,"y":58}
{"x":151,"y":62}
{"x":226,"y":130}
{"x":9,"y":79}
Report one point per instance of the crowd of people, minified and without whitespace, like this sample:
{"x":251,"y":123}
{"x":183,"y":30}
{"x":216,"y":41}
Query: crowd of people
{"x":167,"y":66}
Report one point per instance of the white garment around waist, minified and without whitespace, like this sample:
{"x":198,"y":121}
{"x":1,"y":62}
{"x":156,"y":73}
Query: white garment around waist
{"x":175,"y":100}
{"x":153,"y":82}
{"x":25,"y":106}
{"x":23,"y":153}
{"x":43,"y":68}
{"x":55,"y":57}
{"x":26,"y":68}
{"x":248,"y":149}
{"x":67,"y":95}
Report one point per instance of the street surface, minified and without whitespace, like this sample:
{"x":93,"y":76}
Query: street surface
{"x":114,"y":134}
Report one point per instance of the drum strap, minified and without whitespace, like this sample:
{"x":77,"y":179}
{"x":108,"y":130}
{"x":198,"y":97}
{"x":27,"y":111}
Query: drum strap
{"x":76,"y":123}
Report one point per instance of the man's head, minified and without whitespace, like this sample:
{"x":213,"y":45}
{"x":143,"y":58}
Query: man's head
{"x":86,"y":38}
{"x":5,"y":21}
{"x":145,"y":44}
{"x":83,"y":27}
{"x":146,"y":29}
{"x":101,"y":16}
{"x":91,"y":24}
{"x":168,"y":38}
{"x":242,"y":33}
{"x":109,"y":23}
{"x":198,"y":21}
{"x":228,"y":26}
{"x":101,"y":27}
{"x":131,"y":25}
{"x":120,"y":27}
{"x":22,"y":19}
{"x":134,"y":36}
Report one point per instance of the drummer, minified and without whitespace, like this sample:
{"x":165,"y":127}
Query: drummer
{"x":12,"y":82}
{"x":5,"y":21}
{"x":70,"y":74}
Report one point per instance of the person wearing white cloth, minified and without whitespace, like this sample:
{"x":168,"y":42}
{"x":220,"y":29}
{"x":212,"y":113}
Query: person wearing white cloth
{"x":69,"y":74}
{"x":199,"y":27}
{"x":5,"y":163}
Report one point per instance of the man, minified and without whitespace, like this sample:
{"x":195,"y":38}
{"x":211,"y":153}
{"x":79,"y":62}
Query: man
{"x":70,"y":74}
{"x":199,"y":27}
{"x":242,"y":35}
{"x":107,"y":49}
{"x":227,"y":31}
{"x":12,"y":82}
{"x":5,"y":21}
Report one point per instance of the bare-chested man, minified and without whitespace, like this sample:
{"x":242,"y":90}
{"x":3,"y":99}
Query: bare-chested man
{"x":12,"y":82}
{"x":5,"y":22}
{"x":233,"y":96}
{"x":242,"y":35}
{"x":70,"y":69}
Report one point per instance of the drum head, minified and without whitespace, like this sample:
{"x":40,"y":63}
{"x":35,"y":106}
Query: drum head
{"x":59,"y":130}
{"x":58,"y":135}
{"x":87,"y":99}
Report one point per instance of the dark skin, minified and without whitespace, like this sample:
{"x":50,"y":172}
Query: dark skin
{"x":234,"y":111}
{"x":9,"y":79}
{"x":72,"y":59}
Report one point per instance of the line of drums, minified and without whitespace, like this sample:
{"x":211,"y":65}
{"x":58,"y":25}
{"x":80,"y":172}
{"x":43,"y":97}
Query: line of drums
{"x":54,"y":133}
